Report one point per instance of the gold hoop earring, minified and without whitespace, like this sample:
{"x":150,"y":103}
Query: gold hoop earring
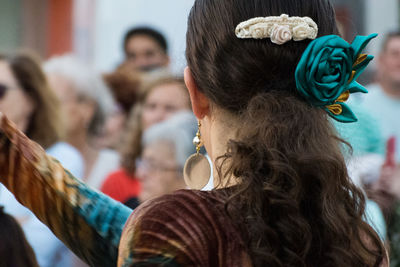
{"x":197,"y":169}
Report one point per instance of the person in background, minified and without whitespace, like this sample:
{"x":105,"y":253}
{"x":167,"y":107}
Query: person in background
{"x":159,"y":99}
{"x":386,"y":192}
{"x":27,"y":99}
{"x":364,"y":170}
{"x":383,"y":99}
{"x":145,"y":49}
{"x":166,"y":146}
{"x":15,"y":250}
{"x":86,"y":103}
{"x":124,"y":84}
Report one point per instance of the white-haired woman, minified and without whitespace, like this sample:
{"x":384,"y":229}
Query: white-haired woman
{"x":166,"y":146}
{"x":160,"y":98}
{"x":86,"y":101}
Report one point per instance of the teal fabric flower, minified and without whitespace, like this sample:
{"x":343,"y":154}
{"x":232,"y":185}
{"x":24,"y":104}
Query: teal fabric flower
{"x":327,"y":71}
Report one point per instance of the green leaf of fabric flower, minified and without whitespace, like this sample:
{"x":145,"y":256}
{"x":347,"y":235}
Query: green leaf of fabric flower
{"x":346,"y":116}
{"x":355,"y":87}
{"x":359,"y":68}
{"x":360,"y":42}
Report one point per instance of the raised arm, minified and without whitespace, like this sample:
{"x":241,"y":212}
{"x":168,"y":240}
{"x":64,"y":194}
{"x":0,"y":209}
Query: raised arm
{"x":87,"y":221}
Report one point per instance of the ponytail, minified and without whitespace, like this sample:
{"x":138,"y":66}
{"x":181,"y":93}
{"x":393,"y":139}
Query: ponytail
{"x":294,"y":200}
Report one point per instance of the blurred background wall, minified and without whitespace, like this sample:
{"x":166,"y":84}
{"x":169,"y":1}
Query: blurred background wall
{"x":94,"y":28}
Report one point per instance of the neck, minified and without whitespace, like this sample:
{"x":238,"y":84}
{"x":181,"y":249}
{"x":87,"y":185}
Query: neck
{"x":221,"y":130}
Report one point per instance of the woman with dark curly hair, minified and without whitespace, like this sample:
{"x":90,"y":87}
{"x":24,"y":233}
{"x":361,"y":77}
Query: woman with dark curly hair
{"x":262,"y":85}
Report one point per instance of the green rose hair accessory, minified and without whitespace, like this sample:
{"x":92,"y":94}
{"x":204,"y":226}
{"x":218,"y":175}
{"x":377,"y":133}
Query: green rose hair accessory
{"x":327,"y":72}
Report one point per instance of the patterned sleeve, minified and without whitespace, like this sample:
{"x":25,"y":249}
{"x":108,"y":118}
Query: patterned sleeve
{"x":88,"y":222}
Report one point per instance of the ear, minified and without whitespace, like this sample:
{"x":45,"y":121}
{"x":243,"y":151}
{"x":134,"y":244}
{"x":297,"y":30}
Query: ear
{"x":200,"y":103}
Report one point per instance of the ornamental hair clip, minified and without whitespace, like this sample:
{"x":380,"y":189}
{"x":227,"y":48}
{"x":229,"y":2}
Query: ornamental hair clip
{"x":327,"y":73}
{"x":279,"y":29}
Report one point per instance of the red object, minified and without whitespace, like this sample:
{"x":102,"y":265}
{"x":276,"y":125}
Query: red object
{"x":121,"y":186}
{"x":390,"y":160}
{"x":60,"y":27}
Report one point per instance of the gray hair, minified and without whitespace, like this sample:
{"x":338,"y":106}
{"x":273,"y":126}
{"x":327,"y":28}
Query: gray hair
{"x":87,"y":83}
{"x":178,"y":130}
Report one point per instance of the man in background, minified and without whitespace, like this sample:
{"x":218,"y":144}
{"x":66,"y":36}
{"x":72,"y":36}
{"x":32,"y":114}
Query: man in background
{"x":383,"y":100}
{"x":145,"y":49}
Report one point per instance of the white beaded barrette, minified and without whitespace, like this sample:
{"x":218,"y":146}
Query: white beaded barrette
{"x":279,"y":29}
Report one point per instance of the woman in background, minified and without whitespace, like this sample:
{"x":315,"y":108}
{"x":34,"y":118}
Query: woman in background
{"x":86,"y":102}
{"x":165,"y":148}
{"x":160,"y":98}
{"x":27,"y":99}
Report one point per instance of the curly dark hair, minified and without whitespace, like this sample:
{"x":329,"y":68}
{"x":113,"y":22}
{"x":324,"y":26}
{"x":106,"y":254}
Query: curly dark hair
{"x":294,"y":201}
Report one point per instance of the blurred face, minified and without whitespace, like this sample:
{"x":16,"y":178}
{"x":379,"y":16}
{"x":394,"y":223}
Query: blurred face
{"x":14,"y":102}
{"x":389,"y":62}
{"x":143,"y":53}
{"x":162,"y":102}
{"x":76,"y":114}
{"x":113,"y":129}
{"x":158,"y":171}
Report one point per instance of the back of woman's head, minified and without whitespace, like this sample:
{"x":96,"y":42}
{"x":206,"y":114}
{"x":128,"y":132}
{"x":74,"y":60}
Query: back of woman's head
{"x":15,"y":250}
{"x":230,"y":70}
{"x":44,"y":126}
{"x":294,"y":202}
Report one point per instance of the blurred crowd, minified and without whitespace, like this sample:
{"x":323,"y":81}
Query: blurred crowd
{"x":128,"y":133}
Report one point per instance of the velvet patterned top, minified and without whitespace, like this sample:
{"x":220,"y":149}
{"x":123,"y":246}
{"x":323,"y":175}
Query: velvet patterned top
{"x":187,"y":228}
